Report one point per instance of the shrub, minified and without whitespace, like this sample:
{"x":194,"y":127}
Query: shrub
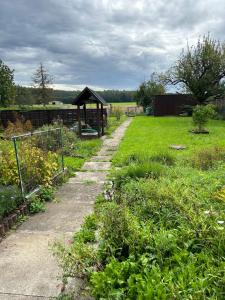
{"x":117,"y":112}
{"x":10,"y":198}
{"x":51,"y":141}
{"x":36,"y":205}
{"x":201,"y":115}
{"x":39,"y":166}
{"x":19,"y":127}
{"x":46,"y":194}
{"x":8,"y":170}
{"x":206,"y":158}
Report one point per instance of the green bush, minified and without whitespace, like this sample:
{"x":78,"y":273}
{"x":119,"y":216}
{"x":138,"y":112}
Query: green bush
{"x":10,"y":198}
{"x":36,"y":205}
{"x":52,"y":142}
{"x":46,"y":194}
{"x":201,"y":115}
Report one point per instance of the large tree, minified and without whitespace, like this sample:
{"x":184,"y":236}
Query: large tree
{"x":200,"y":69}
{"x":7,"y":85}
{"x":147,"y":90}
{"x":42,"y":81}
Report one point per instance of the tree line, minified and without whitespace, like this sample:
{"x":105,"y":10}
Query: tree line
{"x":41,"y":91}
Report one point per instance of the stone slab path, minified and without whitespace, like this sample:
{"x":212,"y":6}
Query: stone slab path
{"x":28,"y":269}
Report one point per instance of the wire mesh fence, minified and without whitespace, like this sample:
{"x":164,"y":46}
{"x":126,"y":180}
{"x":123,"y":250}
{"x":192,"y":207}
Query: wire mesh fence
{"x":39,"y":157}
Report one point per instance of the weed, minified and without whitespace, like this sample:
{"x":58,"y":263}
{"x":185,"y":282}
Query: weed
{"x":36,"y":205}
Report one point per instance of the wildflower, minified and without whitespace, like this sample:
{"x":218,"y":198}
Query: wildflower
{"x":220,"y":222}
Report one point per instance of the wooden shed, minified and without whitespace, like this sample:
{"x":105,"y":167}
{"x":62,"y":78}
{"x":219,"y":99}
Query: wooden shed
{"x":171,"y":104}
{"x":88,"y":96}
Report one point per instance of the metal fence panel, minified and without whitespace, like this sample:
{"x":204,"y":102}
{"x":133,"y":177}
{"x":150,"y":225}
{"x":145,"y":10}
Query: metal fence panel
{"x":39,"y":157}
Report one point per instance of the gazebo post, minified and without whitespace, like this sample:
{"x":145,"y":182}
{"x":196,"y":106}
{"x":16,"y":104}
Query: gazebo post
{"x":85,"y":114}
{"x":102,"y":115}
{"x":98,"y":120}
{"x":79,"y":120}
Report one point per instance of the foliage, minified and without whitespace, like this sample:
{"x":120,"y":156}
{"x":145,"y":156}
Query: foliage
{"x":10,"y":198}
{"x":78,"y":257}
{"x":7,"y":86}
{"x":24,"y":95}
{"x":201,"y":115}
{"x":52,"y":141}
{"x":200,"y":69}
{"x":207,"y":158}
{"x":83,"y":149}
{"x":163,"y":157}
{"x":117,"y":112}
{"x":8,"y":170}
{"x":42,"y":81}
{"x":140,"y":170}
{"x":39,"y":166}
{"x":160,"y":237}
{"x":46,"y":194}
{"x":147,"y":90}
{"x":19,"y":127}
{"x":36,"y":205}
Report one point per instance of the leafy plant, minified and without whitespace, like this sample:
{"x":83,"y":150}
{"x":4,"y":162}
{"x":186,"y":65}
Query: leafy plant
{"x":10,"y":198}
{"x":46,"y":194}
{"x":36,"y":205}
{"x":201,"y":115}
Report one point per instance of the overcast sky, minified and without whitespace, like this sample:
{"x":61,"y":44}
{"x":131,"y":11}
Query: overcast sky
{"x":102,"y":43}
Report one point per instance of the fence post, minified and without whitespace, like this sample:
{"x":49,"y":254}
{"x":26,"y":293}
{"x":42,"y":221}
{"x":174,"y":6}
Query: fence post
{"x":61,"y":143}
{"x":18,"y":167}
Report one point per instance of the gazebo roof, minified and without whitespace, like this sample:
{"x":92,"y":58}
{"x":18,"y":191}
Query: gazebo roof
{"x":88,"y":96}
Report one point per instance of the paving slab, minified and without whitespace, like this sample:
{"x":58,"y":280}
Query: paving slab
{"x":106,"y":152}
{"x":101,"y":158}
{"x":81,"y":177}
{"x":96,"y":166}
{"x":27,"y":266}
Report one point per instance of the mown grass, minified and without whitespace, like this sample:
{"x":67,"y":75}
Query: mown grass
{"x":150,"y":135}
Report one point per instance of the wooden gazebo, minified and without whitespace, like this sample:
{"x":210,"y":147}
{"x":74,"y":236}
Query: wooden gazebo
{"x":88,"y":96}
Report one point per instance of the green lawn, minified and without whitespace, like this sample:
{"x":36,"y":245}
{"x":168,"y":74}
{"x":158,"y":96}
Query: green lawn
{"x":153,"y":134}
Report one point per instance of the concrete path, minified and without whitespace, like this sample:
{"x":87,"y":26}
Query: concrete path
{"x":28,"y":269}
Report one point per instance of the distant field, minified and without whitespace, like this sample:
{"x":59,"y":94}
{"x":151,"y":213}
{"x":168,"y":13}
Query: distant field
{"x":63,"y":106}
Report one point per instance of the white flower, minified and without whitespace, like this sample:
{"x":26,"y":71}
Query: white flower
{"x":207,"y":212}
{"x":220,"y":222}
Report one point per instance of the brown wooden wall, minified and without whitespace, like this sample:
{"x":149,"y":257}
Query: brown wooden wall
{"x":39,"y":118}
{"x":171,"y":105}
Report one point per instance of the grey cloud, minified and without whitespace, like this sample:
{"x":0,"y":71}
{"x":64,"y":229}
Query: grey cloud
{"x":110,"y":44}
